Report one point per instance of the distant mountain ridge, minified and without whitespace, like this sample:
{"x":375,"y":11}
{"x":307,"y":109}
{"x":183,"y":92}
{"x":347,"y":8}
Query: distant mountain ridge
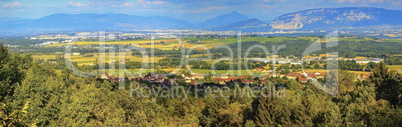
{"x":312,"y":19}
{"x":223,"y":20}
{"x":99,"y":22}
{"x":337,"y":17}
{"x":250,"y":25}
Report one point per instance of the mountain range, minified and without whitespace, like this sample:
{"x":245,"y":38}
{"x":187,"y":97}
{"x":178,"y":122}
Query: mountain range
{"x":97,"y":22}
{"x":322,"y":18}
{"x":337,"y":18}
{"x":249,"y":25}
{"x":222,"y":20}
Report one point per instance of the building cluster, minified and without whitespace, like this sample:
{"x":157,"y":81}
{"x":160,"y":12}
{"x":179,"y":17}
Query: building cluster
{"x":363,"y":60}
{"x":199,"y":79}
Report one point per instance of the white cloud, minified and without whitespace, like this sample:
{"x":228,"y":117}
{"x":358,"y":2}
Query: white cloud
{"x":14,"y":5}
{"x":274,"y":0}
{"x":127,"y":4}
{"x":147,"y":4}
{"x":265,"y":5}
{"x":76,"y":4}
{"x":395,"y":2}
{"x":339,"y":1}
{"x":150,"y":2}
{"x":207,"y":9}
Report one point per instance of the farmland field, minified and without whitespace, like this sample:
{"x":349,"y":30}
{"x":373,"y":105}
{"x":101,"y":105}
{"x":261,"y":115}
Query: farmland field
{"x":394,"y":67}
{"x":81,"y":60}
{"x":197,"y":43}
{"x":171,"y":43}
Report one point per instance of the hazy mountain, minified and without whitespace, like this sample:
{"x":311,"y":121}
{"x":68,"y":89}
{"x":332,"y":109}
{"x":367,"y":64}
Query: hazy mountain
{"x":337,"y":17}
{"x":98,"y":22}
{"x":223,"y":20}
{"x":325,"y":18}
{"x":250,"y":25}
{"x":267,"y":21}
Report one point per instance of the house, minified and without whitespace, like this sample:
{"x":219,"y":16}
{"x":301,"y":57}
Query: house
{"x":52,"y":61}
{"x":187,"y":79}
{"x":248,"y":82}
{"x":224,"y":76}
{"x":362,"y":61}
{"x":117,"y":79}
{"x":193,"y":83}
{"x":244,"y":76}
{"x":295,"y":62}
{"x":376,"y":60}
{"x":365,"y":61}
{"x":257,"y":69}
{"x":268,"y":71}
{"x":303,"y":80}
{"x":224,"y":81}
{"x":122,"y":62}
{"x":195,"y":77}
{"x":72,"y":54}
{"x":181,"y":74}
{"x":293,"y":75}
{"x":105,"y":76}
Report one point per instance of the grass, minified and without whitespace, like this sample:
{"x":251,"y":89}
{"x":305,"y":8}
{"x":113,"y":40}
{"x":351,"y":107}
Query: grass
{"x":392,"y":40}
{"x":174,"y":44}
{"x":354,"y":39}
{"x":209,"y":42}
{"x":394,"y":67}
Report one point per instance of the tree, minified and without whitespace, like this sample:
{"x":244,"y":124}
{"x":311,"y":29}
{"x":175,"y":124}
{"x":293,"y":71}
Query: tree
{"x":40,"y":93}
{"x":346,"y":81}
{"x":317,"y":66}
{"x":12,"y":71}
{"x":233,"y":114}
{"x":388,"y":84}
{"x":5,"y":86}
{"x":270,"y":111}
{"x":211,"y":113}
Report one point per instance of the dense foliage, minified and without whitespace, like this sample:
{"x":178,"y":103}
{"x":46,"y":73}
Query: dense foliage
{"x":33,"y":94}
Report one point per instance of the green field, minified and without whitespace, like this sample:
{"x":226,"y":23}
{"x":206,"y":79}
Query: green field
{"x":171,"y":43}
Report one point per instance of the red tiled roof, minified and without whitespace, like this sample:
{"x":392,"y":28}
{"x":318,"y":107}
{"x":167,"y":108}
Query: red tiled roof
{"x":303,"y":79}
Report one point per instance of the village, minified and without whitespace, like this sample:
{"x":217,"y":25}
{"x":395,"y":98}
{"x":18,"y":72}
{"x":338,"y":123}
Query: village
{"x":226,"y":80}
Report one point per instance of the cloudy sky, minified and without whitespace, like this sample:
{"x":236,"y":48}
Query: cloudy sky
{"x":189,"y":10}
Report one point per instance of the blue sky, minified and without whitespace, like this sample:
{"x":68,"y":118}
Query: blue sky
{"x":189,"y":10}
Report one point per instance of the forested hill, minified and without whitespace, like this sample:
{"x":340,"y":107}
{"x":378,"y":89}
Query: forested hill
{"x":33,"y":94}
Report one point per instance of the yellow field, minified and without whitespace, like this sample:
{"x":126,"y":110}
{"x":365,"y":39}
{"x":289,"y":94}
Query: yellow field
{"x":319,"y":55}
{"x":360,"y":72}
{"x":361,"y":57}
{"x":394,"y":67}
{"x":169,"y":43}
{"x":81,"y":60}
{"x":44,"y":57}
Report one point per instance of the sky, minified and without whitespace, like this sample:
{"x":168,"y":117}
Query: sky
{"x":190,"y":10}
